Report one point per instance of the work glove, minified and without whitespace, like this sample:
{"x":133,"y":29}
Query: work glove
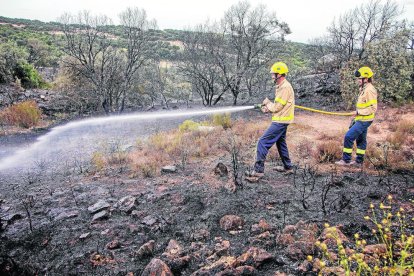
{"x":264,"y":109}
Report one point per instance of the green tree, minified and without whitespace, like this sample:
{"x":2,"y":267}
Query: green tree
{"x":10,"y":56}
{"x":393,"y":67}
{"x":391,"y":62}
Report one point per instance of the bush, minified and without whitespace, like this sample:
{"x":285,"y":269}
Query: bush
{"x":25,"y":114}
{"x":148,"y":169}
{"x":223,"y":120}
{"x":10,"y":55}
{"x":392,"y":66}
{"x":406,"y":127}
{"x":147,"y":161}
{"x":348,"y":86}
{"x":98,"y":161}
{"x":396,"y":139}
{"x":392,"y":255}
{"x":29,"y":76}
{"x":328,"y":151}
{"x":188,"y":125}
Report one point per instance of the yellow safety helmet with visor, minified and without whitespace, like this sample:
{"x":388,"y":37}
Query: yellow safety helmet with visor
{"x":364,"y":72}
{"x":279,"y":68}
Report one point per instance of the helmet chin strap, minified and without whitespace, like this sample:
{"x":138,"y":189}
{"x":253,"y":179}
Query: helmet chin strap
{"x":277,"y":78}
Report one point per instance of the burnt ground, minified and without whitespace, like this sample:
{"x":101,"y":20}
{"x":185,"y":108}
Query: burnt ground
{"x":47,"y":228}
{"x":183,"y":206}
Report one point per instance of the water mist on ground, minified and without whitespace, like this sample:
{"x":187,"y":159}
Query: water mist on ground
{"x":75,"y":142}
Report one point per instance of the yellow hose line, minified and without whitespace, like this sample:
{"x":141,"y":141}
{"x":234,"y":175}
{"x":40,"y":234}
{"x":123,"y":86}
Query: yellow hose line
{"x":324,"y":112}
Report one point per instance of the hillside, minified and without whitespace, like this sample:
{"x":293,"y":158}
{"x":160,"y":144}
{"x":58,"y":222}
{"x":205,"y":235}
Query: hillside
{"x":168,"y":40}
{"x":128,"y":213}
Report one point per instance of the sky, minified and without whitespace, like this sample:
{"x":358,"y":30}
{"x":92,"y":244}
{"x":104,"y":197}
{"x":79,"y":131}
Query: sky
{"x":307,"y":19}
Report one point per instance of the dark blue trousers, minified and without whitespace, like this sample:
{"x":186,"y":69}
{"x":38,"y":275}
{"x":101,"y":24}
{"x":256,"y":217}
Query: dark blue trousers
{"x":276,"y":133}
{"x":358,"y":133}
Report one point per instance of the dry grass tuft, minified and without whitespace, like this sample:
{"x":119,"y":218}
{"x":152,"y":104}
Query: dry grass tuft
{"x":328,"y":151}
{"x":374,"y":129}
{"x":406,"y":127}
{"x":250,"y":131}
{"x":148,"y":161}
{"x":396,"y":139}
{"x":392,"y":127}
{"x":98,"y":161}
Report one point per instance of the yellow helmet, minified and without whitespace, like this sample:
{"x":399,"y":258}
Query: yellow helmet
{"x":279,"y":68}
{"x":364,"y":72}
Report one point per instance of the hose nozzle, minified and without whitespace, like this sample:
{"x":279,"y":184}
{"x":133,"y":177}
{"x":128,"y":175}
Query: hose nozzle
{"x":258,"y":106}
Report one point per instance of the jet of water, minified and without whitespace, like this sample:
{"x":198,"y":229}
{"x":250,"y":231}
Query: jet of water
{"x":81,"y":136}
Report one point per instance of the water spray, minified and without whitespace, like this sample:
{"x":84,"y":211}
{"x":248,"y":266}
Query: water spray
{"x":57,"y":139}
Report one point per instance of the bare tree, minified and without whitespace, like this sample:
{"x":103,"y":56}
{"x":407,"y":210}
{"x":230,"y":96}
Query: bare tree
{"x":93,"y":57}
{"x":229,"y":56}
{"x":249,"y":33}
{"x":135,"y":25}
{"x":321,"y":57}
{"x":350,"y":34}
{"x":198,"y":66}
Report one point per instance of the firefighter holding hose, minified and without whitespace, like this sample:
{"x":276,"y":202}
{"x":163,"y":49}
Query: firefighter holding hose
{"x":282,"y":110}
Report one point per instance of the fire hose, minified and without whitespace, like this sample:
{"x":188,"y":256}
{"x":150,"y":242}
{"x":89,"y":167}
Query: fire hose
{"x":259,"y":106}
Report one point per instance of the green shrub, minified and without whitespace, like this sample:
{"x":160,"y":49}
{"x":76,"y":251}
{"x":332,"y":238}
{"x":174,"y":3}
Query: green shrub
{"x":392,"y":254}
{"x":25,"y":114}
{"x":10,"y":55}
{"x":29,"y":76}
{"x":188,"y":125}
{"x":392,"y":66}
{"x":223,"y":120}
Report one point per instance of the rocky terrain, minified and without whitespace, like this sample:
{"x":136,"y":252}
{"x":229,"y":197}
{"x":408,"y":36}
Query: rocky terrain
{"x":191,"y":220}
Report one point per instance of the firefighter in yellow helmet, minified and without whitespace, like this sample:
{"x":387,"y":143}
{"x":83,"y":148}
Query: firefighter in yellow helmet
{"x":282,"y":109}
{"x":364,"y":115}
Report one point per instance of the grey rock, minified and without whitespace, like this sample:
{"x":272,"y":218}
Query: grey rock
{"x":146,"y":249}
{"x":149,"y":220}
{"x":126,"y":204}
{"x":84,"y":236}
{"x":100,"y":191}
{"x":100,"y":216}
{"x":221,"y":170}
{"x":169,"y":169}
{"x":98,"y":206}
{"x":157,"y":267}
{"x":67,"y":215}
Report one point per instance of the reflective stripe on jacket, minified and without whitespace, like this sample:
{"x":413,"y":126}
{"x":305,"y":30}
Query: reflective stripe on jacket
{"x":367,"y":103}
{"x":283,"y":108}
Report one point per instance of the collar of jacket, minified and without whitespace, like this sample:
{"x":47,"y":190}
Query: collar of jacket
{"x":281,"y":84}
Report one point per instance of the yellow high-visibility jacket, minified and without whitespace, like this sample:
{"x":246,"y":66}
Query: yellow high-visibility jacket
{"x":283,"y":108}
{"x":367,"y":103}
